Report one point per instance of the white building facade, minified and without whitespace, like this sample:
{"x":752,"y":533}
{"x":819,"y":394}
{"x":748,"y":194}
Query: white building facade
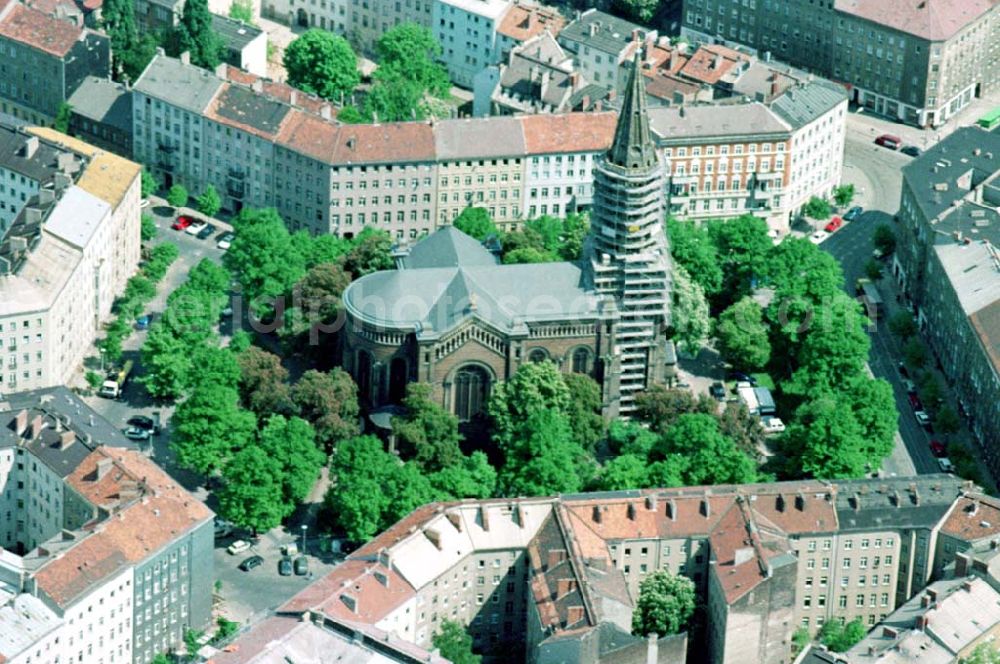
{"x":467,"y":32}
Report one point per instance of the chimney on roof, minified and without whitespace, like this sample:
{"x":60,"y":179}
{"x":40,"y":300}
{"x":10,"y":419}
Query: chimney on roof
{"x":350,"y":143}
{"x":889,"y":632}
{"x":800,"y":502}
{"x":636,"y":34}
{"x":565,"y":587}
{"x":186,"y":58}
{"x":455,"y":520}
{"x":258,"y":85}
{"x":484,"y":517}
{"x":103,"y":466}
{"x":434,"y":536}
{"x":221,"y":70}
{"x":774,"y":85}
{"x":350,"y":602}
{"x":597,"y":514}
{"x":680,"y":110}
{"x":30,"y":147}
{"x":672,"y":509}
{"x":62,"y":181}
{"x":593,"y":28}
{"x":46,"y":196}
{"x":922,"y":620}
{"x":716,"y":61}
{"x":518,"y":515}
{"x":385,"y":558}
{"x":37,"y":424}
{"x":706,"y":507}
{"x":962,"y":564}
{"x":651,"y":502}
{"x":20,"y":422}
{"x":630,"y":511}
{"x":856,"y":499}
{"x":382,"y":578}
{"x":932,"y":594}
{"x":895,"y":498}
{"x":66,"y":438}
{"x":674,"y":57}
{"x":779,"y":503}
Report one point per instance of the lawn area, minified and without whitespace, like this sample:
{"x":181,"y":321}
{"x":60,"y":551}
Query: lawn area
{"x":763,"y":380}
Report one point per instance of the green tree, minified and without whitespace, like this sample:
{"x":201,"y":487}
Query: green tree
{"x":527,"y":255}
{"x":395,"y":99}
{"x":253,"y":496}
{"x":133,"y":60}
{"x":371,"y":251}
{"x":709,"y":457}
{"x":800,"y":639}
{"x":640,"y":11}
{"x":742,"y":335}
{"x":666,"y":604}
{"x":148,"y":184}
{"x":744,"y":251}
{"x":409,"y":52}
{"x":330,"y":402}
{"x":824,"y":440}
{"x":691,"y":319}
{"x":427,"y":430}
{"x":473,"y":478}
{"x":947,"y":420}
{"x":177,"y":196}
{"x":194,"y":35}
{"x":242,"y":10}
{"x":543,"y":459}
{"x":161,"y":659}
{"x":841,"y":638}
{"x":584,"y":410}
{"x":816,"y":208}
{"x":835,"y":346}
{"x":263,"y":383}
{"x":797,"y":268}
{"x":290,"y":444}
{"x":884,"y":239}
{"x":455,"y":644}
{"x":351,"y":115}
{"x":209,"y":203}
{"x":475,"y":222}
{"x":627,"y":471}
{"x":629,"y":437}
{"x":167,"y":361}
{"x":316,"y":301}
{"x":984,"y":653}
{"x":843,"y":194}
{"x":873,"y":270}
{"x":915,"y":353}
{"x":576,"y":227}
{"x":902,"y":325}
{"x":263,"y":257}
{"x":323,"y":64}
{"x":61,"y":123}
{"x":693,"y":248}
{"x":659,"y":406}
{"x":535,"y":386}
{"x":873,"y":406}
{"x":118,"y":21}
{"x":209,"y":427}
{"x":147,"y":227}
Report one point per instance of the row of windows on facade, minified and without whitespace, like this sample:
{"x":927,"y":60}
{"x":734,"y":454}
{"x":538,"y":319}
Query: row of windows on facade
{"x":845,"y":581}
{"x":846,"y":562}
{"x":821,"y":620}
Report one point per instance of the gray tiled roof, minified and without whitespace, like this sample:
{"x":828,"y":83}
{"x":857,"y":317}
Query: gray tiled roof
{"x":611,"y":35}
{"x":703,"y":121}
{"x":889,"y":502}
{"x":448,"y":247}
{"x":102,"y":100}
{"x":803,"y":104}
{"x":243,"y":105}
{"x":478,"y":138}
{"x":235,"y":34}
{"x":41,"y":166}
{"x":185,"y":86}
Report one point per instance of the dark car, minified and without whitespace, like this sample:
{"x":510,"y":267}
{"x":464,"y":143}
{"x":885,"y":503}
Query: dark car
{"x":911,"y":150}
{"x":853,"y":213}
{"x":915,"y":402}
{"x":902,"y":370}
{"x":938,"y":449}
{"x":742,"y":377}
{"x":251,"y":562}
{"x":301,"y":566}
{"x":285,"y":566}
{"x":143,"y":422}
{"x":718,"y":390}
{"x":206,"y":232}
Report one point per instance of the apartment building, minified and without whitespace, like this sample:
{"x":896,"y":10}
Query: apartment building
{"x":467,"y":32}
{"x":600,"y":43}
{"x":765,"y":558}
{"x":65,"y":256}
{"x":917,"y":62}
{"x":101,"y":115}
{"x":43,"y":59}
{"x":105,"y":558}
{"x":947,"y":264}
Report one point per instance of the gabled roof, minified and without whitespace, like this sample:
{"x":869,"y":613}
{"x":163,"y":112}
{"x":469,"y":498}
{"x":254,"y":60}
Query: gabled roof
{"x":102,"y":100}
{"x":934,"y":20}
{"x":183,"y":85}
{"x":803,"y":104}
{"x":448,"y":247}
{"x":45,"y":33}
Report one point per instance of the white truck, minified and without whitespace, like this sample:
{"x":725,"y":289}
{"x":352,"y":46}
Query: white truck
{"x":114,"y":384}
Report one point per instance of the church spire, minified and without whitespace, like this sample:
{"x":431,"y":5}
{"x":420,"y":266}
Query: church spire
{"x":633,"y":146}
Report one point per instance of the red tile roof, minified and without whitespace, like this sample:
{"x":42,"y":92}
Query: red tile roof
{"x":398,"y":142}
{"x":739,"y":553}
{"x":139,"y":524}
{"x":31,"y":27}
{"x":523,"y":22}
{"x":568,"y":132}
{"x":935,"y":20}
{"x":973,"y":517}
{"x":359,"y":590}
{"x":710,"y":63}
{"x":279,"y":91}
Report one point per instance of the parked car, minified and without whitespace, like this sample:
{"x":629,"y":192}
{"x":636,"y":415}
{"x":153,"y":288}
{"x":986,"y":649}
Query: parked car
{"x":206,"y":232}
{"x":143,"y":422}
{"x":741,"y":377}
{"x":911,"y":150}
{"x":915,"y":401}
{"x":853,"y":213}
{"x":909,"y":386}
{"x":239,"y":546}
{"x":290,"y":549}
{"x":285,"y":566}
{"x":182,"y":222}
{"x":946,"y":465}
{"x":251,"y":562}
{"x":831,"y":226}
{"x":718,"y":390}
{"x":922,"y":418}
{"x":196,"y":227}
{"x":818,"y":237}
{"x":902,"y":370}
{"x":772,"y":424}
{"x":225,"y":241}
{"x":223,"y":528}
{"x":143,"y":322}
{"x":301,"y":566}
{"x":938,"y":449}
{"x":889,"y":141}
{"x":135,"y":433}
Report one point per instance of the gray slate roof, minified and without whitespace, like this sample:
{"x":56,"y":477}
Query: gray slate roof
{"x":448,"y":247}
{"x":612,"y":35}
{"x":478,"y":138}
{"x":248,"y":107}
{"x":879,"y":506}
{"x":185,"y":86}
{"x":946,"y":162}
{"x":41,"y":166}
{"x":714,"y":120}
{"x":235,"y":34}
{"x":801,"y":105}
{"x":102,"y":100}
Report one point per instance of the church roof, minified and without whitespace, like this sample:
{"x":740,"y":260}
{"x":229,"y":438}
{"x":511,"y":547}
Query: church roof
{"x":448,"y":247}
{"x":434,"y":300}
{"x":633,"y":146}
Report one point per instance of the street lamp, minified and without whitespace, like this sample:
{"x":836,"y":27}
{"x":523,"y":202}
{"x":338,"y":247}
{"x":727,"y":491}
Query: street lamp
{"x":304,"y":528}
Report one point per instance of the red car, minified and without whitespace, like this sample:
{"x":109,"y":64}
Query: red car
{"x":915,"y":402}
{"x":833,"y":224}
{"x":182,"y":222}
{"x":938,"y":449}
{"x":889,"y":141}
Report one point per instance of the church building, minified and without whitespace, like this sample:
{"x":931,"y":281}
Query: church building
{"x":453,"y":316}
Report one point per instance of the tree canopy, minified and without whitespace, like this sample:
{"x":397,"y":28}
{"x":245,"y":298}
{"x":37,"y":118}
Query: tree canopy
{"x":428,"y":431}
{"x":666,"y":604}
{"x":455,"y":644}
{"x":330,"y":402}
{"x":195,"y":35}
{"x":322,"y":64}
{"x":475,"y":222}
{"x":209,"y":427}
{"x":742,"y":335}
{"x":252,"y":495}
